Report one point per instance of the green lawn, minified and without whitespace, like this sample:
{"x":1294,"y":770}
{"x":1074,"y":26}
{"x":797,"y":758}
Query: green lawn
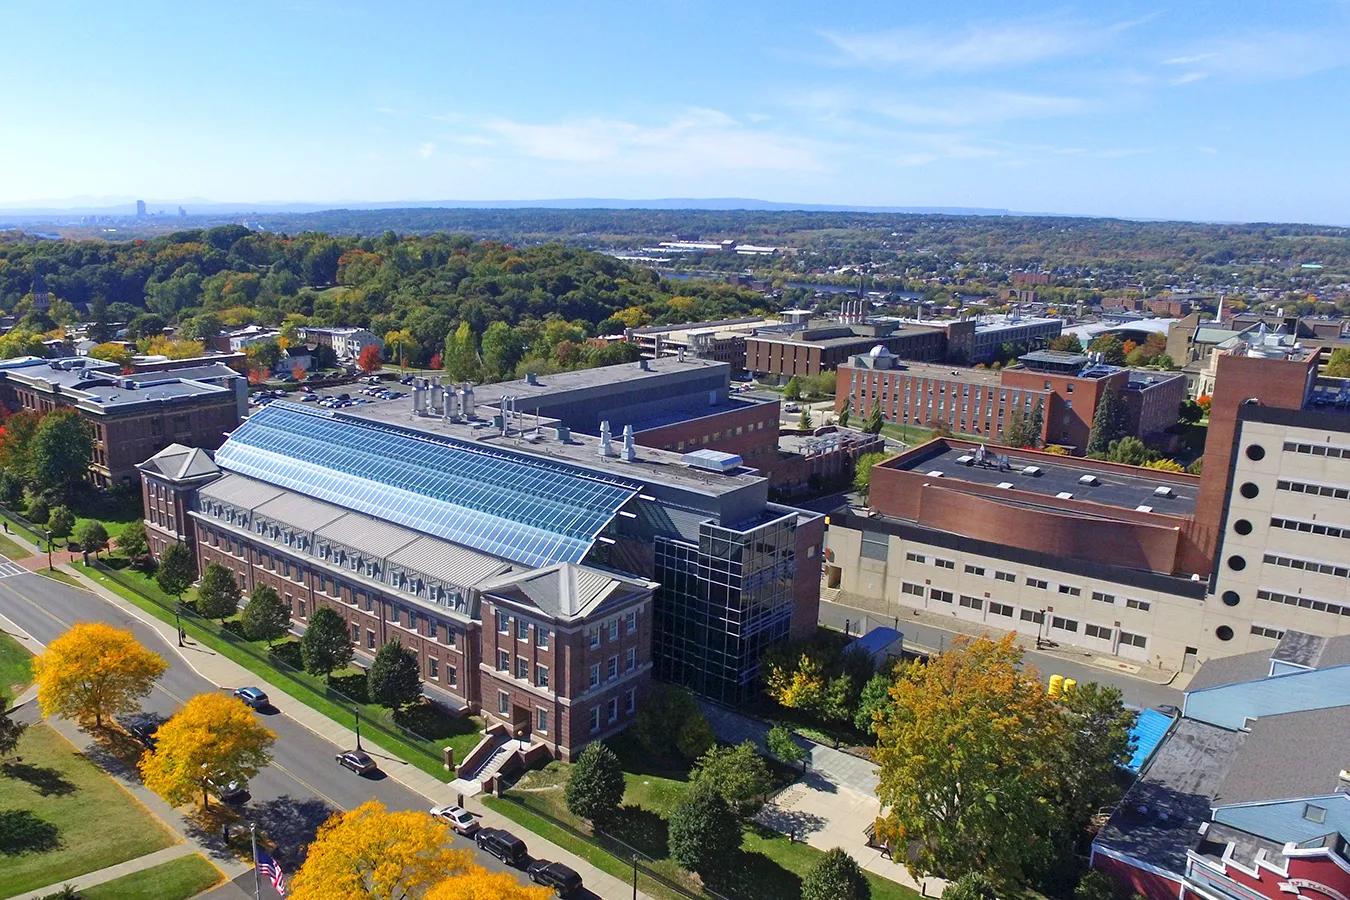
{"x":461,"y":733}
{"x":16,"y":671}
{"x":913,"y":435}
{"x":22,"y":532}
{"x":176,"y":879}
{"x":12,"y":550}
{"x":115,"y":512}
{"x":769,"y":866}
{"x":74,"y":818}
{"x":58,"y":575}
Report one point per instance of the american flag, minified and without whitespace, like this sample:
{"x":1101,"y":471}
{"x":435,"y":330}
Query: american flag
{"x":271,"y":870}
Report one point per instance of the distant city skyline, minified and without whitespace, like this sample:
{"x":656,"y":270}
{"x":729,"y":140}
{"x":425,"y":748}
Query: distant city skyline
{"x":1207,"y":111}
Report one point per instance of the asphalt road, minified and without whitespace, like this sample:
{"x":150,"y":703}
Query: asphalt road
{"x":1137,"y":692}
{"x":292,"y":797}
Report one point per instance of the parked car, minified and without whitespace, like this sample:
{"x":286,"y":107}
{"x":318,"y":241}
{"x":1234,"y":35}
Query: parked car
{"x":557,"y":876}
{"x":457,"y":818}
{"x":253,"y":697}
{"x":227,"y":791}
{"x":308,"y":398}
{"x":358,"y":761}
{"x":143,"y":730}
{"x":792,"y":407}
{"x":502,"y":844}
{"x":406,"y":379}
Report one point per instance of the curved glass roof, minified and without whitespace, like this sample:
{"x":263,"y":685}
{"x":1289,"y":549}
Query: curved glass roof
{"x":517,"y":507}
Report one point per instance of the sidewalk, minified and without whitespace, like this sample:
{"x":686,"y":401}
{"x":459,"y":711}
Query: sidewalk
{"x":835,"y":766}
{"x":103,"y":875}
{"x":226,"y":673}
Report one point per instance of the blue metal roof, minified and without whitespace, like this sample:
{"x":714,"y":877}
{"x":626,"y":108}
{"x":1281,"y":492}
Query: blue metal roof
{"x":513,"y":506}
{"x":1147,"y":734}
{"x":878,"y":639}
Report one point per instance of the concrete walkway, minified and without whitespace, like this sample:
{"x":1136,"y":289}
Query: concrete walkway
{"x":226,"y":673}
{"x":111,"y":872}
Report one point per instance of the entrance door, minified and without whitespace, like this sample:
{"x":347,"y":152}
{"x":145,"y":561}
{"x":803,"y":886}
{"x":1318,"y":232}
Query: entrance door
{"x":520,"y":722}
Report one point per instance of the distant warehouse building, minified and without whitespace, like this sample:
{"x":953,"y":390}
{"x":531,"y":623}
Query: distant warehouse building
{"x":809,"y":348}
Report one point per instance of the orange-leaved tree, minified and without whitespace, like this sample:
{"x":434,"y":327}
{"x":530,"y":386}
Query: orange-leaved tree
{"x":969,"y":750}
{"x":369,"y":360}
{"x":214,"y":738}
{"x":370,"y":853}
{"x":477,"y":883}
{"x":94,"y":670}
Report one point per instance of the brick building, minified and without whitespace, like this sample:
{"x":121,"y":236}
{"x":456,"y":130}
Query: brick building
{"x":133,"y":416}
{"x":809,"y":348}
{"x":540,"y":575}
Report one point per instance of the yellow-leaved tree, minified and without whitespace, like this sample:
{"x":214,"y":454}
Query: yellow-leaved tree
{"x":371,"y":854}
{"x":213,"y":738}
{"x":93,"y":671}
{"x":479,"y":884}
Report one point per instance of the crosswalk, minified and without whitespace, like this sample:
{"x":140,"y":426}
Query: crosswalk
{"x":9,"y":567}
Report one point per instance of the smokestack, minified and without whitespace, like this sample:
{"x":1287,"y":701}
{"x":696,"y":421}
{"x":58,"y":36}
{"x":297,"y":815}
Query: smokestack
{"x":419,"y":398}
{"x":451,"y":404}
{"x":679,"y":354}
{"x":605,"y":446}
{"x":437,"y":398}
{"x":629,"y":448}
{"x":466,"y":400}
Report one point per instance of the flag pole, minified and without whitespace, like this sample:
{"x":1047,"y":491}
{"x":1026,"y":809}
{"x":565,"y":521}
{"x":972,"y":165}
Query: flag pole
{"x":257,"y":876}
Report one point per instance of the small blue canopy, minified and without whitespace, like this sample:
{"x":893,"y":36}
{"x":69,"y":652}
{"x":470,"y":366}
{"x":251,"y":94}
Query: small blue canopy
{"x":1147,"y":734}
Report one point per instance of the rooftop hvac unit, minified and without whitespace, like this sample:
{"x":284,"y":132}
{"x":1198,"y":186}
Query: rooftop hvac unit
{"x":1163,"y":491}
{"x":935,"y":474}
{"x":1005,"y":484}
{"x":1064,"y":495}
{"x":1031,"y":470}
{"x":1088,"y":479}
{"x":712,"y":460}
{"x":1143,"y":508}
{"x":965,"y":460}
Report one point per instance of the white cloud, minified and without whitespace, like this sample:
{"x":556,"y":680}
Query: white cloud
{"x":980,"y":45}
{"x":1264,"y":56}
{"x":1210,"y":150}
{"x":961,"y":108}
{"x":1188,"y":78}
{"x":697,"y":140}
{"x":426,"y":150}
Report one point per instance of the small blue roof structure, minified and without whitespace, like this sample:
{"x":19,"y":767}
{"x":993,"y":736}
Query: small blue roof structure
{"x":879,"y":642}
{"x":1147,"y":733}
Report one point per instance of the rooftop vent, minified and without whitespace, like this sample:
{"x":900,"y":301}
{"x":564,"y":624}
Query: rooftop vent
{"x":712,"y":460}
{"x":1143,"y":508}
{"x":1005,"y":484}
{"x":936,"y":473}
{"x":1064,"y":495}
{"x":965,"y":460}
{"x":1088,"y":479}
{"x":1031,"y":470}
{"x":531,"y":378}
{"x":1163,"y":491}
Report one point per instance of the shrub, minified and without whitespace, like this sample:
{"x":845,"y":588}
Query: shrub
{"x":595,"y":787}
{"x":704,"y":831}
{"x":836,"y":877}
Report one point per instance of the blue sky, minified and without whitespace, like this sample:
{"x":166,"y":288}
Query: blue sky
{"x":1193,"y":109}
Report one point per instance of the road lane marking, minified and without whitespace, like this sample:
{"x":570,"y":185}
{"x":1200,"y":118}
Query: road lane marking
{"x":305,"y":784}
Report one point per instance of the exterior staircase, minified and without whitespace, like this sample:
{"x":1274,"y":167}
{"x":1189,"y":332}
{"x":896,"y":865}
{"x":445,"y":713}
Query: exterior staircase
{"x":493,"y":763}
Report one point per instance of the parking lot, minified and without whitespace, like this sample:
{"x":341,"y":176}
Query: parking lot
{"x":369,"y":389}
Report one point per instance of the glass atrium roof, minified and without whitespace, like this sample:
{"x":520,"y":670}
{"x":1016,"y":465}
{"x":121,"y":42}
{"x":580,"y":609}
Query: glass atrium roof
{"x":528,"y":510}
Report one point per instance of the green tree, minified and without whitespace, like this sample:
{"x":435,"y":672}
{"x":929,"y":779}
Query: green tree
{"x":62,"y":447}
{"x":394,"y":680}
{"x":738,"y":773}
{"x":502,"y":349}
{"x":10,"y":729}
{"x":595,"y":786}
{"x":695,"y":736}
{"x":874,"y":421}
{"x":662,"y":716}
{"x":1111,"y":348}
{"x":177,"y":570}
{"x":62,"y":522}
{"x":218,"y":595}
{"x":461,"y":354}
{"x":836,"y":876}
{"x":839,"y":703}
{"x":783,"y":744}
{"x":16,"y":450}
{"x":133,"y":542}
{"x":1338,"y":366}
{"x":804,"y":421}
{"x":1035,"y":425}
{"x":846,"y":412}
{"x":92,"y":537}
{"x":862,"y":471}
{"x":1131,"y":451}
{"x":1015,"y":430}
{"x":1106,"y":424}
{"x":793,"y":389}
{"x":39,"y":513}
{"x":1095,"y":885}
{"x":1190,"y":412}
{"x":265,"y":616}
{"x":876,"y":693}
{"x":326,"y":645}
{"x":1066,"y":343}
{"x":970,"y":886}
{"x":704,"y":831}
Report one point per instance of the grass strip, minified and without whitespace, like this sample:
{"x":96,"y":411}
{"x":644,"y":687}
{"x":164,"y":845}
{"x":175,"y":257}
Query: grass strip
{"x":177,"y":879}
{"x":300,"y":691}
{"x":16,"y":667}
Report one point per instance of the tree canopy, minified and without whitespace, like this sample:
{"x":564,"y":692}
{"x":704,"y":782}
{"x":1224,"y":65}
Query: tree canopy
{"x":394,"y":679}
{"x":176,"y":571}
{"x":218,"y":595}
{"x":214,"y":739}
{"x":595,"y":785}
{"x":94,"y":671}
{"x":326,"y":644}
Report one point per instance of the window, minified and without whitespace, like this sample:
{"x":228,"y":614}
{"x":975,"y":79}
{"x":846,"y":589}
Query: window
{"x":907,"y":587}
{"x":522,"y":630}
{"x":613,"y":629}
{"x":1294,"y":562}
{"x":1315,"y":814}
{"x":630,"y":621}
{"x":1000,"y":609}
{"x":1064,"y":624}
{"x":630,"y":701}
{"x":1037,"y":583}
{"x":431,"y":628}
{"x":630,"y":659}
{"x":356,"y":633}
{"x":943,"y":596}
{"x":503,"y":623}
{"x":370,"y":640}
{"x":433,"y":667}
{"x":541,"y":721}
{"x":915,"y":558}
{"x":974,"y":570}
{"x":1141,"y":605}
{"x":595,"y":719}
{"x":451,"y":676}
{"x":1266,"y":631}
{"x":594,"y":635}
{"x":1031,"y":615}
{"x":971,"y":602}
{"x":540,"y":676}
{"x":612,"y":668}
{"x":1071,"y":591}
{"x":1335,"y":609}
{"x":503,"y":661}
{"x":1005,"y":576}
{"x":1100,"y":632}
{"x":944,"y":563}
{"x":595,"y":674}
{"x":1103,"y":598}
{"x":522,"y":668}
{"x":1133,"y":640}
{"x":613,"y":705}
{"x":541,"y":637}
{"x":503,"y":702}
{"x":874,"y":545}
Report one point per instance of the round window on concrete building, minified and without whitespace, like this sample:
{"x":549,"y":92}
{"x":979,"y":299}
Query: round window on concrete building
{"x":1249,"y":490}
{"x":1231,"y":598}
{"x":1237,"y":563}
{"x":1256,"y":452}
{"x":1242,"y":526}
{"x":1223,"y":633}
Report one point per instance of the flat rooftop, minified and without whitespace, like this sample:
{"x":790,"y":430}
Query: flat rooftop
{"x":624,"y":375}
{"x":696,"y":409}
{"x":937,"y":371}
{"x":1113,"y":487}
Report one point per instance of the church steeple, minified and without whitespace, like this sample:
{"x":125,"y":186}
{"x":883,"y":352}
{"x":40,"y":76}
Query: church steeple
{"x":42,"y":300}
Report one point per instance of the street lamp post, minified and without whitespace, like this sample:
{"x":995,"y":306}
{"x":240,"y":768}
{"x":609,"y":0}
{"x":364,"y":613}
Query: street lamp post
{"x":50,"y":567}
{"x":178,"y":627}
{"x":1040,"y":624}
{"x":356,"y":710}
{"x":635,"y":873}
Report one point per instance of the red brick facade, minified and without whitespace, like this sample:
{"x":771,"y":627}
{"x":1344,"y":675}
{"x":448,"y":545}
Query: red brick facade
{"x":748,"y":430}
